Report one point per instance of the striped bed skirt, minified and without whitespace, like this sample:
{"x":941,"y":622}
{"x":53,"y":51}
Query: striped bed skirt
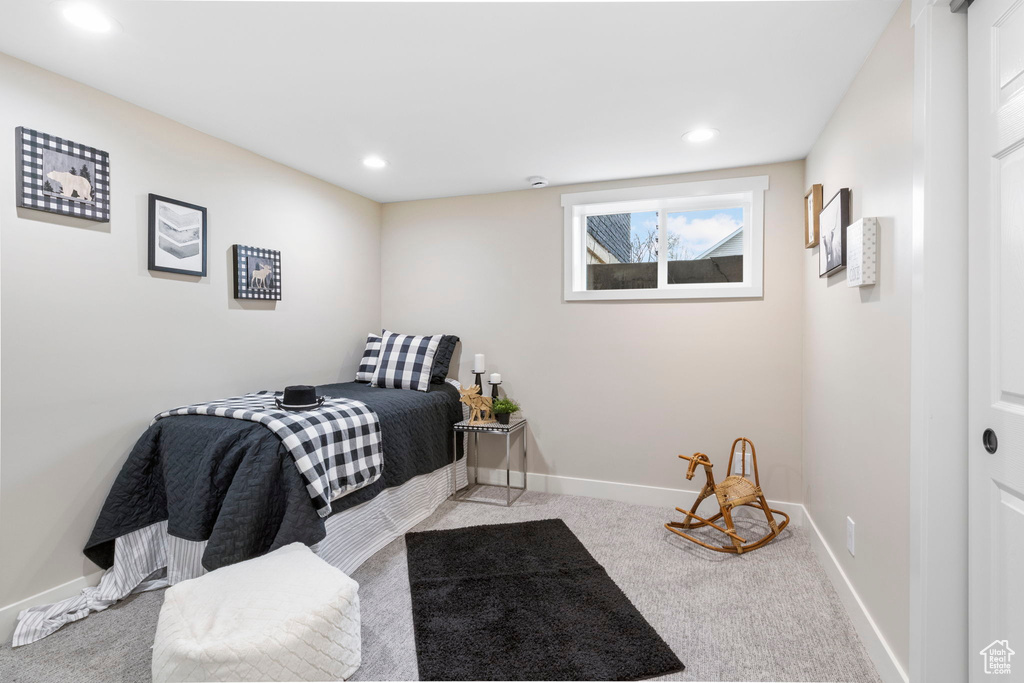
{"x":141,"y":557}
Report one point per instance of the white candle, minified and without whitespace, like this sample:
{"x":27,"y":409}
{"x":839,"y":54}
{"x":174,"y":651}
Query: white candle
{"x":495,"y":378}
{"x":478,"y":362}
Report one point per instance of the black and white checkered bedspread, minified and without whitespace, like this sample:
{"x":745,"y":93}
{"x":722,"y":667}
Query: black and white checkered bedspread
{"x":337,"y":447}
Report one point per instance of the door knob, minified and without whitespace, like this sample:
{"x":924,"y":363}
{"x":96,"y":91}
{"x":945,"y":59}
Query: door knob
{"x":990,"y":441}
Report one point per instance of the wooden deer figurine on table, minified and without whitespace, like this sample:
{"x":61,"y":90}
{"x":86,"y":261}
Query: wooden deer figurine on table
{"x":733,"y":492}
{"x":480,"y":405}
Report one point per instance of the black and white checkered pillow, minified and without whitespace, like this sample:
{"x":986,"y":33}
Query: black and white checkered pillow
{"x":368,"y":364}
{"x":405,"y":361}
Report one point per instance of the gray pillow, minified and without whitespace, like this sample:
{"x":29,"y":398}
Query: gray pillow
{"x":443,"y":358}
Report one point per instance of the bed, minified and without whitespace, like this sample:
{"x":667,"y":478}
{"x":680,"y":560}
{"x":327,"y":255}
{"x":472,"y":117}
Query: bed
{"x":200,"y":492}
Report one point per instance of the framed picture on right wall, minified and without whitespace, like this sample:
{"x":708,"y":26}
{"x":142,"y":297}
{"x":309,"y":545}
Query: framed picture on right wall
{"x":812,"y":207}
{"x":832,"y":222}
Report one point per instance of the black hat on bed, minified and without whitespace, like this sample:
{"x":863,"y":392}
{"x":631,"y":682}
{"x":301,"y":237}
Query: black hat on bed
{"x":300,"y":397}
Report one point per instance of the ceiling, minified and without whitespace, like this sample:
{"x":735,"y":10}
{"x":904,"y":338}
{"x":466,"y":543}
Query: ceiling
{"x":472,"y":98}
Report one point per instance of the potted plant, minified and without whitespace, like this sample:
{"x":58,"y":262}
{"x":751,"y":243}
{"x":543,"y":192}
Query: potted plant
{"x":503,"y":409}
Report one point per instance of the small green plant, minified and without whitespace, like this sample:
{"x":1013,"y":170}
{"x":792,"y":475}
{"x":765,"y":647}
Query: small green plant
{"x":504,"y":405}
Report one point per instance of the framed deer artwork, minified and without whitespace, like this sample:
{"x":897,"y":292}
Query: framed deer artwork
{"x":177,"y":236}
{"x":832,"y":222}
{"x":257,"y":273}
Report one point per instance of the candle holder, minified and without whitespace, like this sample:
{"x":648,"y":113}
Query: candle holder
{"x":494,"y":389}
{"x":480,"y":381}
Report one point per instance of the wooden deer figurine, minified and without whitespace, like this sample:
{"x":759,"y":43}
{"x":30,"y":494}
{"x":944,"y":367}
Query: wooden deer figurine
{"x":479,"y":405}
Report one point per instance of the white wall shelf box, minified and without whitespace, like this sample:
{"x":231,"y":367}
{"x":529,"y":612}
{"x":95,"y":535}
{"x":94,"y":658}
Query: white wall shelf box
{"x":862,"y":253}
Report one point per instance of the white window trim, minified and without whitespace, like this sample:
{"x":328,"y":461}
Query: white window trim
{"x":747,"y":192}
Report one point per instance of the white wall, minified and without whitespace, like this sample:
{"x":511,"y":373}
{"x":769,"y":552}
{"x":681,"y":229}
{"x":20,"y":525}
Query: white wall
{"x":856,"y":381}
{"x":93,"y":344}
{"x":613,"y":390}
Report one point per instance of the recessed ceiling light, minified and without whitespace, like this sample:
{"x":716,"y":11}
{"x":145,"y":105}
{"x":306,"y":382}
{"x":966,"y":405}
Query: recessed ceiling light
{"x":87,"y":17}
{"x":373,"y":161}
{"x":701,"y":134}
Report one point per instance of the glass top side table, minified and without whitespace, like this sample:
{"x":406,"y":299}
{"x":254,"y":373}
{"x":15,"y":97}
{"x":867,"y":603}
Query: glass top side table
{"x":515,"y":424}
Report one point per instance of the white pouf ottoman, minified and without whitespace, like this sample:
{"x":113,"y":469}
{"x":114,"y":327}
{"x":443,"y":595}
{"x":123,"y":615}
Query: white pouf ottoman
{"x":286,"y":616}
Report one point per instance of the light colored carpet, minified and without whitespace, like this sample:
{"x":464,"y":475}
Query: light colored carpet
{"x":770,"y":615}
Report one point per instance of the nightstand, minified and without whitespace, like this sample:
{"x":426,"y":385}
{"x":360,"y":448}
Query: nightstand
{"x":516,"y":424}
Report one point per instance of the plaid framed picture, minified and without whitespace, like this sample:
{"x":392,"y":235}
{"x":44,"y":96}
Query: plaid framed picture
{"x":61,"y":176}
{"x":257,"y":273}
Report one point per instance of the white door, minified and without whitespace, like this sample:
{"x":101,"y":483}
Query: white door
{"x":996,"y":337}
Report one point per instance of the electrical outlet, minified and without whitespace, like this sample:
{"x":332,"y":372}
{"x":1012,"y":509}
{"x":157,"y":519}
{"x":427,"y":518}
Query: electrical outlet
{"x":850,"y":525}
{"x":737,"y":463}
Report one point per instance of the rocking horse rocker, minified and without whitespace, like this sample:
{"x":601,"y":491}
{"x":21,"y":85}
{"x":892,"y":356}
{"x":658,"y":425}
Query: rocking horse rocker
{"x":733,"y":492}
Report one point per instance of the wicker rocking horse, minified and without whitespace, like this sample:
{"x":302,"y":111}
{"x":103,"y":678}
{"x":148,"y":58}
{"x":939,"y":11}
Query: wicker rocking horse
{"x":734,"y":491}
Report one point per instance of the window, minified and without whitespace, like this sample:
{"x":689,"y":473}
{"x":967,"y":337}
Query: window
{"x":690,"y":240}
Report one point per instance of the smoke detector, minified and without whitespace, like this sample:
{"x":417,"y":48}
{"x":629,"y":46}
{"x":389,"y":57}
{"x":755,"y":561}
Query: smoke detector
{"x":537,"y":181}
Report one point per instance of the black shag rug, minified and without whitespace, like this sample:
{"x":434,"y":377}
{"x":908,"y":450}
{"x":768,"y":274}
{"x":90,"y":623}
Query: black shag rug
{"x":521,"y":602}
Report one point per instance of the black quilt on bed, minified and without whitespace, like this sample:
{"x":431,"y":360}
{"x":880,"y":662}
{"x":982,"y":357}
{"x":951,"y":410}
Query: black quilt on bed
{"x":234,"y":484}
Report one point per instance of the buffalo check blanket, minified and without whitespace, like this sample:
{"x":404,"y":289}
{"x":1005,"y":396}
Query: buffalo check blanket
{"x":336,"y":447}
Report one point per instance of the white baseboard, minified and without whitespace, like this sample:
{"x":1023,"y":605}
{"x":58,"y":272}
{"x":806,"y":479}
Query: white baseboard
{"x":639,"y":494}
{"x":881,"y":654}
{"x":9,"y":614}
{"x":878,"y":648}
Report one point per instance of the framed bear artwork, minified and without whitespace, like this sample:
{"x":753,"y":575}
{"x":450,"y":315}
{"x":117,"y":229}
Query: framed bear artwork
{"x":63,"y":177}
